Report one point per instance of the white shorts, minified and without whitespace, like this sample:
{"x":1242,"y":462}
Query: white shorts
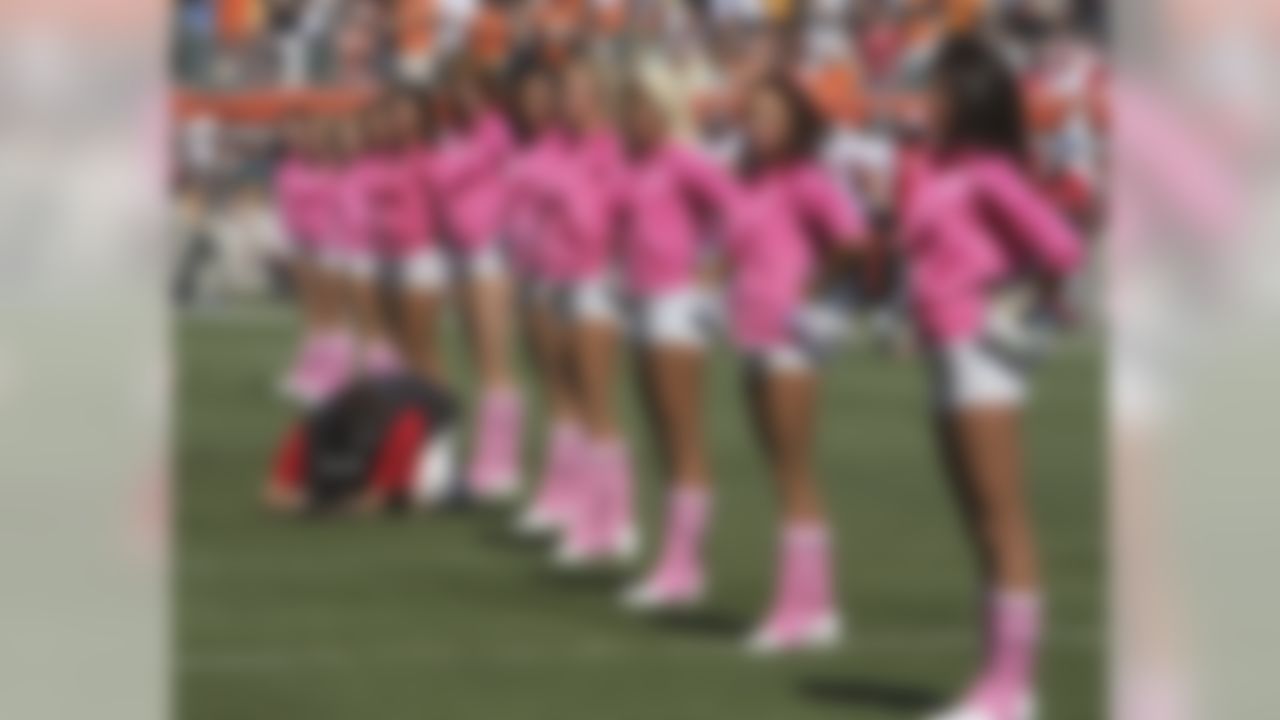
{"x":591,"y":300}
{"x":360,"y":264}
{"x":333,"y":260}
{"x":486,"y":263}
{"x":974,"y":373}
{"x":424,"y":269}
{"x":785,"y":358}
{"x":994,"y":367}
{"x":822,"y":327}
{"x":815,"y":333}
{"x":681,"y":317}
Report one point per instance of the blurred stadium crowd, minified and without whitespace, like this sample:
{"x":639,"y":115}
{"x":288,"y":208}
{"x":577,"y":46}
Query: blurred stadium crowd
{"x":241,"y":65}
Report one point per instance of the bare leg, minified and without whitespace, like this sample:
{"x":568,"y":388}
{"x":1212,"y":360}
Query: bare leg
{"x":672,"y":384}
{"x":552,"y":507}
{"x":370,"y":318}
{"x":804,"y":612}
{"x":988,"y":466}
{"x":595,"y":351}
{"x":548,"y":341}
{"x":331,"y":305}
{"x":330,"y":301}
{"x":308,"y":280}
{"x":962,"y":491}
{"x":785,"y":406}
{"x":603,"y":521}
{"x":488,"y":307}
{"x":982,"y":447}
{"x":494,"y":471}
{"x":301,"y":376}
{"x":420,"y":331}
{"x":673,"y":388}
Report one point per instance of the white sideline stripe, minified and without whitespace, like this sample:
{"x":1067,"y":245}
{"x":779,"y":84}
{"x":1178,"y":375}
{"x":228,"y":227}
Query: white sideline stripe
{"x":586,"y":652}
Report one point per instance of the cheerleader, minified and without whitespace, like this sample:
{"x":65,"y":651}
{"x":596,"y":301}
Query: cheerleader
{"x":791,"y":231}
{"x":539,"y":259}
{"x":362,"y":185}
{"x":600,"y":522}
{"x":332,"y":361}
{"x":303,"y":190}
{"x":469,"y":174}
{"x":421,"y":273}
{"x":986,"y":253}
{"x":665,"y":194}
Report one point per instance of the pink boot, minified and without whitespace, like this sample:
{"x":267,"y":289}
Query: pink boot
{"x":551,"y":507}
{"x":294,"y":383}
{"x":330,"y":369}
{"x":493,"y":474}
{"x":381,"y":359}
{"x":677,"y":581}
{"x":1004,"y":690}
{"x":602,"y":524}
{"x":804,"y":614}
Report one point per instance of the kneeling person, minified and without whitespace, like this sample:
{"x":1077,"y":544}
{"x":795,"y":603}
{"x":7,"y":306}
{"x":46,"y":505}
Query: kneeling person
{"x":379,"y":445}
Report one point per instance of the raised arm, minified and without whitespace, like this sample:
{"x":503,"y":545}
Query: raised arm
{"x":842,"y":236}
{"x":831,"y":209}
{"x":705,"y":182}
{"x":1031,"y":223}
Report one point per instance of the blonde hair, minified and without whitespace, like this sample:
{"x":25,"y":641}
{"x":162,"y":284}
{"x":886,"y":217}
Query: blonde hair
{"x":670,"y":89}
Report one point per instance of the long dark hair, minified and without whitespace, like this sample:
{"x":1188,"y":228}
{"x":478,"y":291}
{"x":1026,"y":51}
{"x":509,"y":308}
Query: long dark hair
{"x":466,"y":74}
{"x":807,"y":125}
{"x":427,"y":108}
{"x":420,"y":102}
{"x":983,"y":102}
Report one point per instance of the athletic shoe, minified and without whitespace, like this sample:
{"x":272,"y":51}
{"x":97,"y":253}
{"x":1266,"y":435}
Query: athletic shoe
{"x":330,"y":371}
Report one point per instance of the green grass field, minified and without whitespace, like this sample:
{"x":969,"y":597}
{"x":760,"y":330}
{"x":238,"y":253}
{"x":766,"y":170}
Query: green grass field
{"x":446,"y":616}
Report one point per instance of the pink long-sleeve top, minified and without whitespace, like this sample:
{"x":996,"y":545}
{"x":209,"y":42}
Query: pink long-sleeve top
{"x":298,"y":187}
{"x":526,"y":201}
{"x":969,"y":223}
{"x":664,"y":200}
{"x":355,"y":191}
{"x":402,"y":212}
{"x":579,"y":208}
{"x":470,"y":177}
{"x":776,"y":221}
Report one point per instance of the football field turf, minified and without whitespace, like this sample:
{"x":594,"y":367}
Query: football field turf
{"x":446,"y":616}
